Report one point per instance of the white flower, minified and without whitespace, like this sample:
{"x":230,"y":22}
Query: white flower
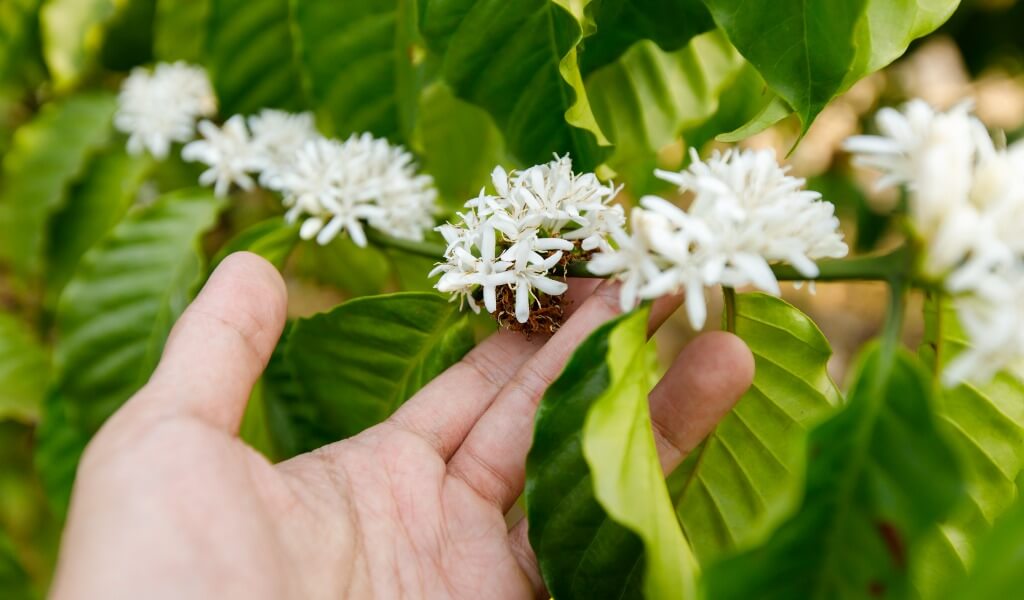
{"x":995,"y":326}
{"x":161,"y":107}
{"x":746,"y":213}
{"x":532,"y":220}
{"x":277,"y":137}
{"x":228,"y":152}
{"x":340,"y":185}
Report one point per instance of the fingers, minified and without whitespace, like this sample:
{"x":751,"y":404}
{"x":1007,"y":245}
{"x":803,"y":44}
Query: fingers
{"x":445,"y":410}
{"x":220,"y":345}
{"x":492,"y":458}
{"x":703,"y":384}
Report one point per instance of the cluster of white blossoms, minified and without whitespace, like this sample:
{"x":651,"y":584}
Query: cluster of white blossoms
{"x":160,"y":107}
{"x":516,"y":242}
{"x":746,"y":213}
{"x":330,"y":185}
{"x":965,"y":204}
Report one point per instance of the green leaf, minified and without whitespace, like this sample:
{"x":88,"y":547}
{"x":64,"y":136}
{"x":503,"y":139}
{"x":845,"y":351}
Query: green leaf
{"x":14,"y":581}
{"x":647,"y":98}
{"x":356,"y":271}
{"x":23,"y":371}
{"x":180,"y":29}
{"x":518,"y":61}
{"x":998,"y":572}
{"x":987,"y":424}
{"x":113,"y":319}
{"x":249,"y":55}
{"x":357,"y":63}
{"x":47,"y":154}
{"x":595,"y":494}
{"x":459,"y":143}
{"x":273,"y":239}
{"x":774,"y":111}
{"x":742,"y":99}
{"x":743,"y":478}
{"x":72,"y":32}
{"x":880,"y":474}
{"x":362,"y":360}
{"x":18,"y":40}
{"x":670,"y":24}
{"x":95,"y":204}
{"x":803,"y":48}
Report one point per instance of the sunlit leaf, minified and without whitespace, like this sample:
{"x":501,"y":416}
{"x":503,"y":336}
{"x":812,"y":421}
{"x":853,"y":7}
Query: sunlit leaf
{"x":47,"y":154}
{"x":179,"y":29}
{"x":998,"y":572}
{"x":742,"y":479}
{"x":72,"y":32}
{"x":601,"y":521}
{"x":112,"y":321}
{"x":23,"y":371}
{"x":359,"y":362}
{"x":880,"y":475}
{"x":273,"y":239}
{"x":987,"y":422}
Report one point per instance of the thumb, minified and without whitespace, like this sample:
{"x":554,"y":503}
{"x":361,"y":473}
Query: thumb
{"x":221,"y":344}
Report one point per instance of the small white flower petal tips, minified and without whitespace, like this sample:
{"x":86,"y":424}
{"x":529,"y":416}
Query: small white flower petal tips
{"x":746,"y":212}
{"x":966,"y":207}
{"x":228,"y":153}
{"x":507,"y":247}
{"x":160,"y":107}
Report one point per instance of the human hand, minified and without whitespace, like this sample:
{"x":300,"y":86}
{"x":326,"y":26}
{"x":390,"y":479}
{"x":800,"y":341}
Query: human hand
{"x":169,"y":502}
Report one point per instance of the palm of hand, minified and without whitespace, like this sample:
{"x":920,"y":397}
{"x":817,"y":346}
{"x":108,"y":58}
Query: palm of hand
{"x":169,"y":499}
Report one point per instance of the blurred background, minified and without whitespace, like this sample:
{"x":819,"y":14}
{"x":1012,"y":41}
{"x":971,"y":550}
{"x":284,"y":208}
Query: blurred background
{"x":977,"y":55}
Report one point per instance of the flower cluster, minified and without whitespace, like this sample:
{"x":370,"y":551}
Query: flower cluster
{"x":511,"y":245}
{"x":159,"y":107}
{"x":966,"y":207}
{"x":330,"y":185}
{"x":746,"y":213}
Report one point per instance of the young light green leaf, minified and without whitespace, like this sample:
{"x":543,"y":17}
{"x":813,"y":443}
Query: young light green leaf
{"x":179,"y":29}
{"x":518,"y":61}
{"x":359,"y":362}
{"x":357,"y":61}
{"x":998,"y":571}
{"x":619,"y":24}
{"x":987,"y":424}
{"x":72,"y":32}
{"x":113,"y":319}
{"x":249,"y":54}
{"x":742,"y":479}
{"x":772,"y":112}
{"x":23,"y":371}
{"x":601,"y":521}
{"x":95,"y":204}
{"x":648,"y":97}
{"x":47,"y":154}
{"x":880,"y":474}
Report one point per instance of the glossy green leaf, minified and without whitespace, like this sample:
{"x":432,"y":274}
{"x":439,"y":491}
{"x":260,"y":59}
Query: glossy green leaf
{"x":772,"y":112}
{"x":357,"y":63}
{"x":23,"y":371}
{"x":648,"y":97}
{"x":273,"y":239}
{"x":459,"y":143}
{"x":179,"y":29}
{"x":803,"y":48}
{"x":742,"y":99}
{"x":359,"y":362}
{"x":998,"y":572}
{"x":880,"y":475}
{"x":355,"y":271}
{"x":601,"y":521}
{"x":288,"y":416}
{"x":741,"y":480}
{"x":113,"y":319}
{"x":94,"y":205}
{"x":47,"y":154}
{"x":518,"y":61}
{"x":250,"y":56}
{"x":987,"y":423}
{"x":619,"y":24}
